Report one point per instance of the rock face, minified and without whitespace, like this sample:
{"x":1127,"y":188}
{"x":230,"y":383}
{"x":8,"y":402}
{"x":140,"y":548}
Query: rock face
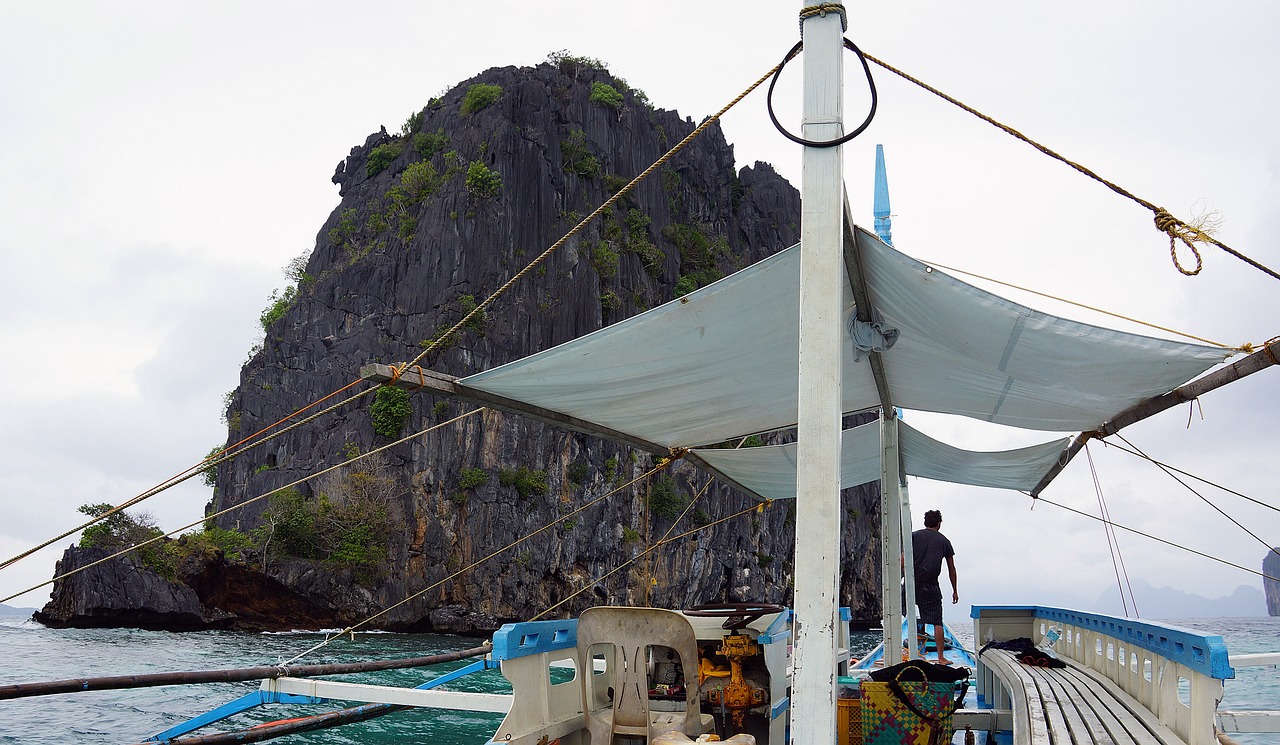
{"x":124,"y":593}
{"x":434,"y":220}
{"x":1271,"y":568}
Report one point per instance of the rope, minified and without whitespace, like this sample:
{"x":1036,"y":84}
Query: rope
{"x":209,"y":462}
{"x":1243,"y":348}
{"x":1187,"y":486}
{"x":586,"y":220}
{"x":224,"y":455}
{"x":1154,"y":538}
{"x":1117,"y":559}
{"x":1201,"y":479}
{"x":1176,"y":229}
{"x":664,"y":541}
{"x":823,"y":10}
{"x":663,"y":463}
{"x":235,"y":507}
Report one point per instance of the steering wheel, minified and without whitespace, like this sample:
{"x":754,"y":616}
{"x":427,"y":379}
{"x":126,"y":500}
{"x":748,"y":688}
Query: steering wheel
{"x":736,"y":615}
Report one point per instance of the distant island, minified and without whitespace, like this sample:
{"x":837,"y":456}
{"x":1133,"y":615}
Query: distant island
{"x":1245,"y":601}
{"x":9,"y":610}
{"x":1271,"y":580}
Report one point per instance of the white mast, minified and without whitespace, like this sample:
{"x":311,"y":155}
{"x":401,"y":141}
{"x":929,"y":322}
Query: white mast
{"x":822,"y":281}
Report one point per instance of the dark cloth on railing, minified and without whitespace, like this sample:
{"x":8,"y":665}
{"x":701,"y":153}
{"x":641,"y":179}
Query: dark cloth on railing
{"x":1026,"y":652}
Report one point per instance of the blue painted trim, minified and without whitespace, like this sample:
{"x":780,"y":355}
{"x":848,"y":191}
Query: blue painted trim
{"x":779,"y":630}
{"x":846,"y":614}
{"x":231,"y":708}
{"x":534,"y":637}
{"x":780,"y":708}
{"x":1204,"y":653}
{"x":475,"y":667}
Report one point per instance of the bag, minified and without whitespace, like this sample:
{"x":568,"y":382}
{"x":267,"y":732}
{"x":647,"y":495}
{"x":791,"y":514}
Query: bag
{"x":922,"y":671}
{"x":899,"y":711}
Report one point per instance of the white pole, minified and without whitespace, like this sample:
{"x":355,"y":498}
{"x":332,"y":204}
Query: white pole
{"x":891,"y":536}
{"x":909,"y":572}
{"x":822,"y":281}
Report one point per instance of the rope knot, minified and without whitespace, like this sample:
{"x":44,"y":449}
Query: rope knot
{"x":821,"y":11}
{"x":1178,"y":230}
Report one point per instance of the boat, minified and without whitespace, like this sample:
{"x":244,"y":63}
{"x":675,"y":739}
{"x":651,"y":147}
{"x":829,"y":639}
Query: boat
{"x":934,"y":343}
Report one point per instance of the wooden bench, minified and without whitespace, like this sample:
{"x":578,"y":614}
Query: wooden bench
{"x":1072,"y":705}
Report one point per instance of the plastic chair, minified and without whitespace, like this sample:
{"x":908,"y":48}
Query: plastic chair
{"x":631,"y":631}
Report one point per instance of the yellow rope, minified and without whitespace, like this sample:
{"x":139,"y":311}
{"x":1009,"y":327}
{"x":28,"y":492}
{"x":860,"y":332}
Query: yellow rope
{"x":1176,"y":229}
{"x":183,"y":476}
{"x":665,"y":540}
{"x":822,"y":10}
{"x":1243,"y":348}
{"x":586,"y":220}
{"x":663,"y":463}
{"x":432,"y":346}
{"x":235,"y":507}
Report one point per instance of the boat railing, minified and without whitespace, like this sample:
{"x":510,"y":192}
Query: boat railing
{"x":540,"y":660}
{"x":1177,"y":674}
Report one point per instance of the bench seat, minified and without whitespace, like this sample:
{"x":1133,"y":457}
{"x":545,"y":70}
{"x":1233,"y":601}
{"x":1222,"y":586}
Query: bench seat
{"x":1072,"y":705}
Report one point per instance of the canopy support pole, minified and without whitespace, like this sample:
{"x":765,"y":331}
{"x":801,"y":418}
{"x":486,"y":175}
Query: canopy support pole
{"x":909,"y":571}
{"x":817,"y":565}
{"x":891,"y":536}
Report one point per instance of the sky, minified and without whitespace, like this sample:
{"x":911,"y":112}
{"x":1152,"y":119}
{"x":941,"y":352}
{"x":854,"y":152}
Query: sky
{"x":164,"y":161}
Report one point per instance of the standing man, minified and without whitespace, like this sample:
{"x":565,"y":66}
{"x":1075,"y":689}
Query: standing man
{"x":928,"y":549}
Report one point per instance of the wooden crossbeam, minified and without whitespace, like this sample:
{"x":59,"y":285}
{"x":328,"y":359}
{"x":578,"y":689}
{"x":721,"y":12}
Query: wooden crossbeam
{"x":441,"y":384}
{"x":1259,"y":360}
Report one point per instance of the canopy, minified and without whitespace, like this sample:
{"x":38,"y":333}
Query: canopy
{"x":721,"y":362}
{"x":770,"y":471}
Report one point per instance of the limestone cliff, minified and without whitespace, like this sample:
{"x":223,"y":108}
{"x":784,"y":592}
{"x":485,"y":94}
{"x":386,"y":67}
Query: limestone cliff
{"x":431,"y":221}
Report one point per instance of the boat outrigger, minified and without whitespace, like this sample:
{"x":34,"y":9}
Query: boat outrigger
{"x":842,"y":323}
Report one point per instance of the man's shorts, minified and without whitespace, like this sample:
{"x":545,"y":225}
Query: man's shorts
{"x":928,"y":601}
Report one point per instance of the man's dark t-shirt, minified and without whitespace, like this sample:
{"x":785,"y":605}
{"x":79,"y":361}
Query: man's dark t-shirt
{"x":929,"y":548}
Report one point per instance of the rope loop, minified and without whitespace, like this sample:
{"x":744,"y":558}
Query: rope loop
{"x":871,"y":86}
{"x":1178,"y":230}
{"x":822,"y":11}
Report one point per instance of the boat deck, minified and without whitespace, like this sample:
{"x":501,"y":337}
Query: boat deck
{"x":1070,"y":705}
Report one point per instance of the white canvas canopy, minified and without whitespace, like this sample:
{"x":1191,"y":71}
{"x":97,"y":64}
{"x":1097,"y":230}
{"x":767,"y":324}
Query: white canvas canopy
{"x":721,"y":362}
{"x":770,"y":471}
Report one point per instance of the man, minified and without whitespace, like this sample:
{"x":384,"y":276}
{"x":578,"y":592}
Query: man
{"x":929,"y":547}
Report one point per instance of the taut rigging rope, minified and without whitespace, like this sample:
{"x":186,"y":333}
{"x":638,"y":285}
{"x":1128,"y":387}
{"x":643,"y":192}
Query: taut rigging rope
{"x":1176,"y":229}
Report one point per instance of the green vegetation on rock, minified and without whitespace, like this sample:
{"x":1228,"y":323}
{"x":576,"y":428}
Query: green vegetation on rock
{"x":390,"y":410}
{"x":479,"y":96}
{"x":483,"y":181}
{"x":605,"y":95}
{"x":381,"y":157}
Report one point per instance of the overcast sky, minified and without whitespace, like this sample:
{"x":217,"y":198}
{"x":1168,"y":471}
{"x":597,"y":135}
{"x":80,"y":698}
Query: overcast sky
{"x":164,"y":161}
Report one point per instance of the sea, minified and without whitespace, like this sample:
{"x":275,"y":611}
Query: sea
{"x":32,"y":652}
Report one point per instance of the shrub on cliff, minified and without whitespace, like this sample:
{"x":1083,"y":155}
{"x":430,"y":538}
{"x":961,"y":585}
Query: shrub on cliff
{"x":390,"y":410}
{"x":120,"y":530}
{"x":606,"y":95}
{"x":381,"y":157}
{"x":479,"y":96}
{"x":483,"y":181}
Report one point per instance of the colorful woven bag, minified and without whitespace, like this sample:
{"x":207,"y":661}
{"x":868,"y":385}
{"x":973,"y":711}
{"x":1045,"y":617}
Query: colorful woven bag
{"x":900,"y":712}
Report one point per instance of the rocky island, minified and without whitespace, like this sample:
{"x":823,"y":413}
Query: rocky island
{"x":433,"y":219}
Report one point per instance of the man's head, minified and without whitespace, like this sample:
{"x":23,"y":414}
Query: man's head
{"x":933,"y":519}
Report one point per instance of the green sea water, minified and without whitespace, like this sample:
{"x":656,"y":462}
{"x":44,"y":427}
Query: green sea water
{"x":34,"y":653}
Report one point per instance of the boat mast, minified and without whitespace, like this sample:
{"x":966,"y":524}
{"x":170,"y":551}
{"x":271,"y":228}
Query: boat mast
{"x":822,"y":278}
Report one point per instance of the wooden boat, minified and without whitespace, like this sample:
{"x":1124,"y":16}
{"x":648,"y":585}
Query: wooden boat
{"x":632,"y":667}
